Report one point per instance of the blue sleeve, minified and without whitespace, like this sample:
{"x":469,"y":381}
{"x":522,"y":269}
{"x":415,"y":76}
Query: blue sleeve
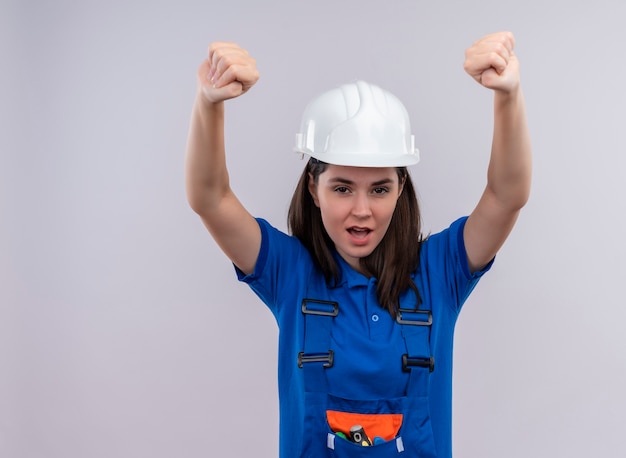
{"x":458,"y":227}
{"x":262,"y":258}
{"x":281,"y":262}
{"x":445,"y":255}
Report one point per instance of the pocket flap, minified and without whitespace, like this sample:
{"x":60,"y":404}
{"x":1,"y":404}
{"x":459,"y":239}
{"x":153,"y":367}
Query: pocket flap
{"x":384,"y":425}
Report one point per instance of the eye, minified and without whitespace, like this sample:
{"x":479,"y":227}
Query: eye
{"x":380,"y":190}
{"x":342,"y":190}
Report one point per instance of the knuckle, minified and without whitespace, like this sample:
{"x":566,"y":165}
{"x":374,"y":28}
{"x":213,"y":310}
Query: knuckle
{"x":226,"y":60}
{"x":494,"y":56}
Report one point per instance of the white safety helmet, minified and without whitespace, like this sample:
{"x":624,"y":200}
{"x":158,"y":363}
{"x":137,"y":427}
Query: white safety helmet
{"x":357,"y":124}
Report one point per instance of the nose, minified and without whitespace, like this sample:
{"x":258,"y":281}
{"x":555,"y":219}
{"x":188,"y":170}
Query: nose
{"x":361,"y":207}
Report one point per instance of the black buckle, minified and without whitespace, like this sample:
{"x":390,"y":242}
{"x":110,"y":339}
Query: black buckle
{"x":317,"y":307}
{"x":419,"y":318}
{"x":409,"y":362}
{"x":327,"y":358}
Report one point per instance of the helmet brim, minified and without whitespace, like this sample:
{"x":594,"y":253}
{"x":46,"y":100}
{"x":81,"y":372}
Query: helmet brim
{"x":360,"y":160}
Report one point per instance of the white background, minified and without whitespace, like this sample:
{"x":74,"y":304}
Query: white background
{"x":123,"y":332}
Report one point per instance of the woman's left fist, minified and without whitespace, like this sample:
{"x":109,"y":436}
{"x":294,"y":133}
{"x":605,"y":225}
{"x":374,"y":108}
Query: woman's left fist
{"x":492,"y":62}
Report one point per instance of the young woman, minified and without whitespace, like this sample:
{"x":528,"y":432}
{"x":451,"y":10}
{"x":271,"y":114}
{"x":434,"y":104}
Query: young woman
{"x":366,"y":307}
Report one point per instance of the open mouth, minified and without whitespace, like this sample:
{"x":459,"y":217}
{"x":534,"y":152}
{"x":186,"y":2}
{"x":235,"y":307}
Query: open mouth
{"x":359,"y":232}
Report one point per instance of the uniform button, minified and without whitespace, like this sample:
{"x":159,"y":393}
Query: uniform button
{"x":374,"y":318}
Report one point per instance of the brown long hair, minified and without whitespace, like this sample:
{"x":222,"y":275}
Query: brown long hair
{"x":391,"y":262}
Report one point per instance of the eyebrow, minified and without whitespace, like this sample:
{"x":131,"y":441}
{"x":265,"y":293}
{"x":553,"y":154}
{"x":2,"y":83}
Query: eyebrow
{"x":350,"y":182}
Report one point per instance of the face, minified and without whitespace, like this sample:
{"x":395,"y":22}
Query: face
{"x":356,"y":204}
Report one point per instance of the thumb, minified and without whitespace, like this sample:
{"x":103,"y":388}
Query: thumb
{"x":230,"y":90}
{"x":506,"y":80}
{"x":489,"y":77}
{"x":219,"y":94}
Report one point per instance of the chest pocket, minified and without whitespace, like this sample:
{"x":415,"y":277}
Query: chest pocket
{"x":345,"y":428}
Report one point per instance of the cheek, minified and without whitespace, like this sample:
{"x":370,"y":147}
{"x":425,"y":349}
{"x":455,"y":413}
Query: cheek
{"x":334,"y":214}
{"x":391,"y":210}
{"x":386,"y":213}
{"x":331,"y":213}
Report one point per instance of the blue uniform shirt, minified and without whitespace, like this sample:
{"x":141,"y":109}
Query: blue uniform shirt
{"x":367,"y":341}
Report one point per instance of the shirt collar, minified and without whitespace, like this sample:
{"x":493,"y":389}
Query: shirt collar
{"x":348,"y":276}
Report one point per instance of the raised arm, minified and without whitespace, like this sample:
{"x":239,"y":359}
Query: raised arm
{"x":228,"y":72}
{"x":492,"y":63}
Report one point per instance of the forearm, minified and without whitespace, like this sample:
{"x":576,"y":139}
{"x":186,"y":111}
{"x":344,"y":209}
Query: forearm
{"x":510,"y":166}
{"x":206,"y":175}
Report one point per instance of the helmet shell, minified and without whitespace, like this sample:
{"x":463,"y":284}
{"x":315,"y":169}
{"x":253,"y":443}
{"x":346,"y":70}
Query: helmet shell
{"x":357,"y":124}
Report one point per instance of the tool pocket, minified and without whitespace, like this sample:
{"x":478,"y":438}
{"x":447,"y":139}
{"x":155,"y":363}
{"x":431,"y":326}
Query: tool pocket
{"x":391,"y":427}
{"x":341,"y":448}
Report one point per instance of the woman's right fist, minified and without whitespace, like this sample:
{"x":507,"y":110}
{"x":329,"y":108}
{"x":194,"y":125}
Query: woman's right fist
{"x":228,"y":72}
